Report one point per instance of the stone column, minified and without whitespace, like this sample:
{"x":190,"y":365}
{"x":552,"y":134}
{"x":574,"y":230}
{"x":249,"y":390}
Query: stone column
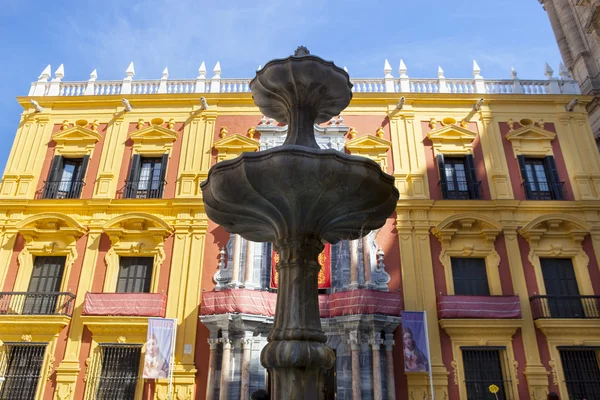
{"x":212,"y":368}
{"x":389,"y":358}
{"x":355,"y":348}
{"x":246,"y":363}
{"x":235,"y":267}
{"x":248,"y":280}
{"x":353,"y":264}
{"x":375,"y":343}
{"x":367,"y":261}
{"x":225,"y":368}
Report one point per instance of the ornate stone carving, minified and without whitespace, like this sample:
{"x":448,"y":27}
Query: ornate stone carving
{"x":50,"y":366}
{"x":454,"y":365}
{"x":121,"y":339}
{"x":26,"y":338}
{"x":552,"y":365}
{"x":183,"y":392}
{"x":88,"y":370}
{"x":515,"y":364}
{"x":64,"y":391}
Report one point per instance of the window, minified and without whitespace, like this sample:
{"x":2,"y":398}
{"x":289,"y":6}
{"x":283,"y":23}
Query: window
{"x":540,"y":178}
{"x":485,"y":366}
{"x":146,"y":177}
{"x":114,"y":372}
{"x":562,"y":292}
{"x":66,"y":178}
{"x":44,"y":286}
{"x":581,"y":367}
{"x":21,"y":367}
{"x":458,"y":179}
{"x":135,"y":274}
{"x":470,"y":277}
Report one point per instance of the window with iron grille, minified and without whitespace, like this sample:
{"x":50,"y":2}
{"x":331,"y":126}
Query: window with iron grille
{"x":540,"y":178}
{"x":44,"y":285}
{"x":114,"y":372}
{"x":66,"y":178}
{"x":485,"y":366}
{"x":562,"y":290}
{"x":458,"y":178}
{"x":20,"y":370}
{"x":135,"y":274}
{"x":581,"y":368}
{"x":146,"y":178}
{"x":470,"y":277}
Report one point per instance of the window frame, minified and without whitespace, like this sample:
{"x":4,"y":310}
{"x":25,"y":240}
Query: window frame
{"x":132,"y":184}
{"x":147,"y":280}
{"x":455,"y":266}
{"x":507,"y":388}
{"x":473,"y":185}
{"x":54,"y":183}
{"x":555,"y":185}
{"x":5,"y":360}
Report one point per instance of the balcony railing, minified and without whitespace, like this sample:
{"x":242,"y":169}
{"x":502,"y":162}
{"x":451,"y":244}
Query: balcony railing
{"x":144,"y":189}
{"x":565,"y":307}
{"x":37,"y":303}
{"x":62,"y":189}
{"x":461,"y":190}
{"x":545,"y":190}
{"x":496,"y":307}
{"x":125,"y":304}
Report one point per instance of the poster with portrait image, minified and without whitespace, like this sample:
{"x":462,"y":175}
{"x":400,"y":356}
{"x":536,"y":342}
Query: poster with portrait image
{"x":414,"y":342}
{"x":159,"y":348}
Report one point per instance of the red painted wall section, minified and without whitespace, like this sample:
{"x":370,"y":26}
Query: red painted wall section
{"x":433,"y":174}
{"x":173,"y":165}
{"x":149,"y":386}
{"x":513,"y":164}
{"x":235,"y":124}
{"x":545,"y":357}
{"x":387,"y":239}
{"x":13,"y":267}
{"x":588,"y":248}
{"x":519,"y":350}
{"x":165,"y":268}
{"x":94,"y":164}
{"x":47,"y":161}
{"x":530,"y":278}
{"x":201,"y":359}
{"x":84,"y":353}
{"x":439,"y":275}
{"x":399,"y":375}
{"x":100,"y":271}
{"x":368,"y":125}
{"x":73,"y":279}
{"x":216,"y":238}
{"x":447,"y":357}
{"x":59,"y":351}
{"x":504,"y":268}
{"x":126,"y":162}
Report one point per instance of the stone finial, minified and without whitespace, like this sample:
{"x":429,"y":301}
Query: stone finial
{"x":140,"y":123}
{"x":340,"y":120}
{"x":352,"y":133}
{"x":45,"y":75}
{"x":563,"y":72}
{"x":511,"y":125}
{"x":402,"y":69}
{"x":165,"y":73}
{"x":171,"y":124}
{"x":346,"y":69}
{"x":387,"y":69}
{"x":251,"y":132}
{"x":129,"y":72}
{"x":202,"y":71}
{"x":64,"y":125}
{"x":223,"y":132}
{"x":541,"y":123}
{"x":217,"y":70}
{"x":263,"y":120}
{"x":432,"y":123}
{"x":548,"y":71}
{"x":95,"y":125}
{"x":59,"y":73}
{"x":301,"y":51}
{"x":476,"y":70}
{"x":93,"y":76}
{"x":513,"y":72}
{"x":380,"y":132}
{"x":440,"y":72}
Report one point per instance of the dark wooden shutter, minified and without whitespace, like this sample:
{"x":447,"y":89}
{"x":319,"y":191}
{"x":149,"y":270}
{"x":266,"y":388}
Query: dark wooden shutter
{"x":53,"y":177}
{"x":133,"y":177}
{"x":470,"y":277}
{"x":553,"y":178}
{"x":526,"y":183}
{"x":471,"y":174}
{"x":80,"y":178}
{"x":135,"y":274}
{"x":443,"y":180}
{"x":163,"y":174}
{"x":561,"y":288}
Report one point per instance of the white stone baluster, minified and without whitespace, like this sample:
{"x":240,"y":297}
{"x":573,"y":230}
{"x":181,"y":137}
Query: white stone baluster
{"x":212,"y":368}
{"x":388,"y":79}
{"x":54,"y":89}
{"x":162,"y":87}
{"x":442,"y":81}
{"x":40,"y":85}
{"x":129,"y":74}
{"x":215,"y":82}
{"x":479,"y":83}
{"x":404,"y":79}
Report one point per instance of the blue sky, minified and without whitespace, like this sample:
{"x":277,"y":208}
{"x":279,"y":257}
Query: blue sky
{"x":106,"y":35}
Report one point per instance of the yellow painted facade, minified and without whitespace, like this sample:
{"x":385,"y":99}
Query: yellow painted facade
{"x":74,"y":228}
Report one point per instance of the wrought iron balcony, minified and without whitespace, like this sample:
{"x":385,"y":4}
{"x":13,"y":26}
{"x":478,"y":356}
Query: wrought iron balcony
{"x":144,"y":189}
{"x":496,"y":307}
{"x":546,"y":190}
{"x":587,"y":307}
{"x":461,"y":190}
{"x":37,"y":303}
{"x":62,"y":189}
{"x":125,"y":304}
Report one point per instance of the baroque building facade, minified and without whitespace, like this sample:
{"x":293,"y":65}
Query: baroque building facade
{"x":496,"y":236}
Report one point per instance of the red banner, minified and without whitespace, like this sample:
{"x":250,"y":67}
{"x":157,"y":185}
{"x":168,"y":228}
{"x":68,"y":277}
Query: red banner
{"x":324,"y":273}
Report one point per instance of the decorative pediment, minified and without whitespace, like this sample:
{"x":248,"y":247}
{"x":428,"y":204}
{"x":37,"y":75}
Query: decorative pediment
{"x":153,"y":140}
{"x":372,"y":147}
{"x":452,"y":139}
{"x":232,"y":146}
{"x":556,"y":226}
{"x":467,"y":225}
{"x":136,"y":224}
{"x":50,"y":225}
{"x":531,"y":140}
{"x":75,"y":141}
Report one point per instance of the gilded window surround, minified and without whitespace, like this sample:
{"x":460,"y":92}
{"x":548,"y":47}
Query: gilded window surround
{"x":154,"y":140}
{"x":135,"y":234}
{"x":76,"y":141}
{"x":452,"y":139}
{"x":470,"y":235}
{"x":229,"y":147}
{"x":559,"y":236}
{"x":47,"y":234}
{"x":531,"y":140}
{"x":372,"y":147}
{"x":476,"y":332}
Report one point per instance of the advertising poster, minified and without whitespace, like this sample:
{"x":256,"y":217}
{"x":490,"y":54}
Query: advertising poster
{"x":159,"y":348}
{"x":414,"y":341}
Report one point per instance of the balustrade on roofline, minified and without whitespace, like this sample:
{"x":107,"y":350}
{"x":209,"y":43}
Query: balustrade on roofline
{"x":564,"y":84}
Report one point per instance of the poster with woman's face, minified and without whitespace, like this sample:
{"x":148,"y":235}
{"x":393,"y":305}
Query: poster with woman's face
{"x":414,"y":342}
{"x":159,"y":348}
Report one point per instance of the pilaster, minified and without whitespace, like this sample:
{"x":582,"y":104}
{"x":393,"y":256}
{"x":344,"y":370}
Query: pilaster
{"x":494,"y":158}
{"x":111,"y":157}
{"x":7,"y":243}
{"x":411,"y":179}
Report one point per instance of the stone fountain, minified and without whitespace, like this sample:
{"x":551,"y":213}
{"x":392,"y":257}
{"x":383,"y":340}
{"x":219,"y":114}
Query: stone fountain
{"x":298,"y":196}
